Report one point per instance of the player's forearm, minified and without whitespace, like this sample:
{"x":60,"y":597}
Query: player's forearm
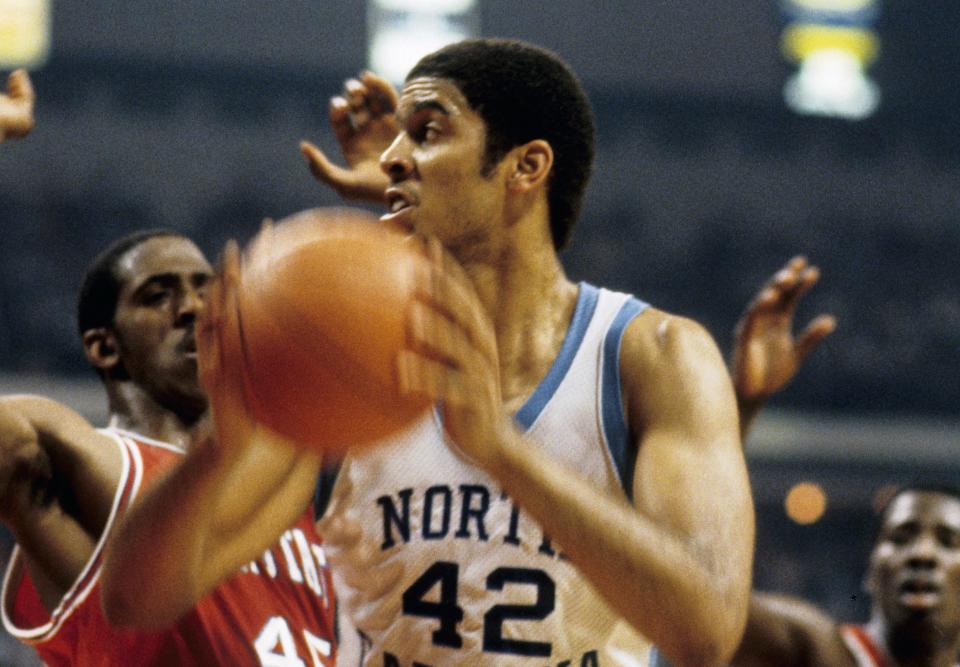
{"x":152,"y":574}
{"x":787,"y":631}
{"x":654,"y":579}
{"x":198,"y":525}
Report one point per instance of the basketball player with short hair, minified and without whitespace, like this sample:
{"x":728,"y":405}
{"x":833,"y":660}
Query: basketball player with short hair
{"x":16,"y":106}
{"x":914,"y":572}
{"x":581,"y":496}
{"x":64,"y":486}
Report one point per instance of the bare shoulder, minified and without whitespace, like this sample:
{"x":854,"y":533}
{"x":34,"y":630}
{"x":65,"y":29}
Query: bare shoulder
{"x":657,"y":337}
{"x":671,"y":368}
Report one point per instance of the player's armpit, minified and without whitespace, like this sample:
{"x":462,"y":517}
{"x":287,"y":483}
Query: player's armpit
{"x":63,"y":444}
{"x":58,"y":479}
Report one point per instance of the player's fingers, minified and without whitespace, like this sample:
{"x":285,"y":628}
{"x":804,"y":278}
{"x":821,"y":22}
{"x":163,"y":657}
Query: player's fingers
{"x":358,"y":100}
{"x":418,"y":375}
{"x":797,"y":263}
{"x":449,"y":289}
{"x":431,"y":333}
{"x":386,"y":579}
{"x":339,"y":114}
{"x":821,"y":327}
{"x":763,"y":305}
{"x":805,"y":280}
{"x":785,"y":280}
{"x":382,"y":96}
{"x":20,"y":87}
{"x":341,"y":530}
{"x":323,"y":169}
{"x":355,"y":93}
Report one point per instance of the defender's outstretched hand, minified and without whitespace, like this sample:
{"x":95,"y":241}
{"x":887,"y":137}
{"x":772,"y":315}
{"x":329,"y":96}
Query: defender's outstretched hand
{"x":363,"y":121}
{"x":767,"y":355}
{"x":16,"y":106}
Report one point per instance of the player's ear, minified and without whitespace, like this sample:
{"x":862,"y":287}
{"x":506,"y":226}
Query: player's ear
{"x":101,"y":348}
{"x":531,"y":165}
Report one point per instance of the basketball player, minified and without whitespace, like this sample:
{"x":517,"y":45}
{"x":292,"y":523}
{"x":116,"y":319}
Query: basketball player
{"x":914,"y":572}
{"x":64,"y":485}
{"x":16,"y":106}
{"x":582,"y":494}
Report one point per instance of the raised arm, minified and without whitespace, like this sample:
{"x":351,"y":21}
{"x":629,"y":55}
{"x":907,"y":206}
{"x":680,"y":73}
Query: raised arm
{"x":58,"y":478}
{"x":766,"y":354}
{"x":677,"y":565}
{"x":228,"y":500}
{"x":362,"y":118}
{"x":16,"y":106}
{"x":781,"y":630}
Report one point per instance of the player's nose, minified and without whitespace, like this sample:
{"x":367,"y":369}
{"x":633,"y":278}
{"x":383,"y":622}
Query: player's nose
{"x":189,"y":306}
{"x":923,"y":552}
{"x":396,"y":162}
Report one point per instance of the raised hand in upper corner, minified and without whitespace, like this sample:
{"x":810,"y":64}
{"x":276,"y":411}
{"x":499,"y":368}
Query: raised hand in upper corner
{"x":766,"y":353}
{"x":363,"y":120}
{"x":16,"y":106}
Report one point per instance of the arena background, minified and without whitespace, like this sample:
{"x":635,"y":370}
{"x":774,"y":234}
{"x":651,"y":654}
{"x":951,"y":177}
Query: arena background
{"x":187,"y":115}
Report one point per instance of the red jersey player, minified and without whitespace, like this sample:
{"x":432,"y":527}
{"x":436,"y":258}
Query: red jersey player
{"x":64,"y":485}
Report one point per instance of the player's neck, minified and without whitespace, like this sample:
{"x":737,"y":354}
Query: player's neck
{"x":910,"y":647}
{"x":133,"y":409}
{"x":530,"y":301}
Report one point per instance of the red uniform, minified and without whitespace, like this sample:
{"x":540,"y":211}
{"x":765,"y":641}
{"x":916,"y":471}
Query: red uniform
{"x":864,"y":651}
{"x":277,"y":611}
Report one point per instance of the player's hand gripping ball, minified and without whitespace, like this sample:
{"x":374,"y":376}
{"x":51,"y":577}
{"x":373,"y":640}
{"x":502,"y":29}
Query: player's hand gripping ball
{"x":321,"y":303}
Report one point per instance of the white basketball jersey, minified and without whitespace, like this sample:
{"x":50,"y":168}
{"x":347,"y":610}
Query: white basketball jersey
{"x":478,"y":582}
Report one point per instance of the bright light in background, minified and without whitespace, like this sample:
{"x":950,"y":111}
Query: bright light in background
{"x":24,"y":33}
{"x":833,"y":44}
{"x":400,"y":32}
{"x":806,"y":502}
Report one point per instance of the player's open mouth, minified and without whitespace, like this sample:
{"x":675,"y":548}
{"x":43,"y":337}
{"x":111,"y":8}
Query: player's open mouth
{"x":399,"y":207}
{"x":919,"y":593}
{"x":188,"y":346}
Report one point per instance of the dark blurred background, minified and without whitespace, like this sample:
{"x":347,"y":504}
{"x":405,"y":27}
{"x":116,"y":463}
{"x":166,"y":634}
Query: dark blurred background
{"x":187,"y":115}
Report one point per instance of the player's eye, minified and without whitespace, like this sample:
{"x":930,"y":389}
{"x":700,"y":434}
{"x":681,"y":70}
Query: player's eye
{"x":425,"y":131}
{"x":949,"y":538}
{"x":900,"y":536}
{"x":155,"y":297}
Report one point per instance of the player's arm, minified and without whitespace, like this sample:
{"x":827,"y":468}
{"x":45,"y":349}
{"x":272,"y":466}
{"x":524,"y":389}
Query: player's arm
{"x":362,"y":118}
{"x":58,"y":480}
{"x":780,"y":630}
{"x":789,"y":632}
{"x":16,"y":106}
{"x":199,"y":524}
{"x":766,"y":354}
{"x":226,"y":502}
{"x":676,"y":566}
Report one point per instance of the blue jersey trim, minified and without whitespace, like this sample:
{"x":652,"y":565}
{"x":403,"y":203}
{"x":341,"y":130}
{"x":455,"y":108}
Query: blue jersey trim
{"x":582,"y":314}
{"x":657,"y":659}
{"x":615,"y":429}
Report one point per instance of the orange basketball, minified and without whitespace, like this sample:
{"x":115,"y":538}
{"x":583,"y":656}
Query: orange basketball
{"x":321,"y":301}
